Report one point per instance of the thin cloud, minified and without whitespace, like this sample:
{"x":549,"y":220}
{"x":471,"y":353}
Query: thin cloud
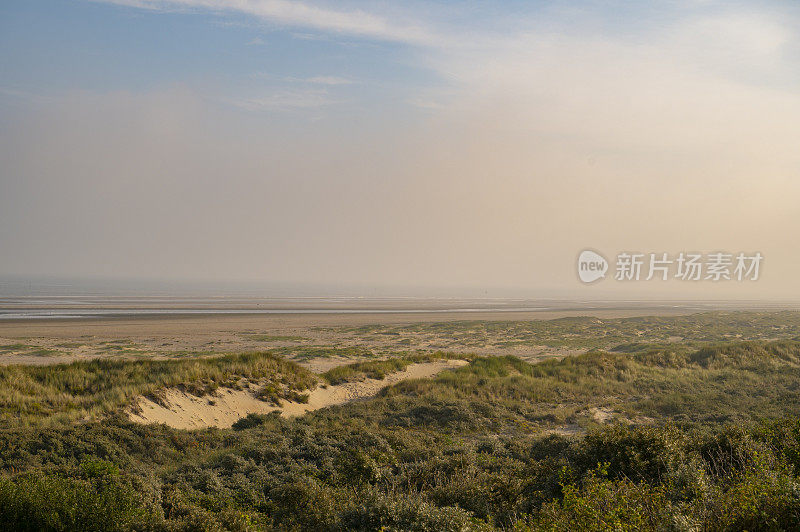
{"x":545,"y":142}
{"x":301,"y":14}
{"x":424,"y":104}
{"x":24,"y":95}
{"x":323,"y":80}
{"x":329,"y":80}
{"x":284,"y":101}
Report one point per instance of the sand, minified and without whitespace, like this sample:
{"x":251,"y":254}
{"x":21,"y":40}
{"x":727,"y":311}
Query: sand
{"x":184,"y":411}
{"x":167,"y":336}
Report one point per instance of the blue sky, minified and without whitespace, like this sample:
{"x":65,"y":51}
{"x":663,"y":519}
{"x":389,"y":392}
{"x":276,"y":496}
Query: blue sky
{"x":395,"y":143}
{"x":285,"y":55}
{"x":54,"y":47}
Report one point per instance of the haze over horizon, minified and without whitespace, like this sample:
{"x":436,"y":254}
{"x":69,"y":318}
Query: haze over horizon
{"x":479,"y":145}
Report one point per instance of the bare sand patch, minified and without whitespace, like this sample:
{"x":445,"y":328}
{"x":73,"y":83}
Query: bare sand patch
{"x":226,"y":406}
{"x":571,"y":429}
{"x":602,"y":415}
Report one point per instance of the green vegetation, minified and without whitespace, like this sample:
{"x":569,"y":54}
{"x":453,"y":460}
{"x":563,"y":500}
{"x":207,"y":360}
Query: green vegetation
{"x":29,"y":350}
{"x":90,"y":390}
{"x":657,"y":435}
{"x":121,"y":347}
{"x":378,"y":369}
{"x":596,"y":333}
{"x":302,"y":353}
{"x":256,"y":337}
{"x":723,"y":383}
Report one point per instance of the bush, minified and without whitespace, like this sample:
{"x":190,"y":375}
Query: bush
{"x":46,"y":502}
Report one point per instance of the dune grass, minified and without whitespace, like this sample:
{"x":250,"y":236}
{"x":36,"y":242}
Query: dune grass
{"x":378,"y":369}
{"x":29,"y":350}
{"x":259,"y":337}
{"x":306,"y":352}
{"x":733,"y":382}
{"x":468,"y":450}
{"x":586,"y":333}
{"x":703,"y":434}
{"x":90,"y":389}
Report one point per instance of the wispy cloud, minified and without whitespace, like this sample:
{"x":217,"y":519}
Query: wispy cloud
{"x":25,"y":95}
{"x":453,"y":45}
{"x":357,"y":23}
{"x":329,"y":80}
{"x":284,"y":101}
{"x":322,"y":80}
{"x":536,"y":137}
{"x":424,"y":103}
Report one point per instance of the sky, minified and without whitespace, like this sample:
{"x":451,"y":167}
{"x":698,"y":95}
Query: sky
{"x":459,"y":147}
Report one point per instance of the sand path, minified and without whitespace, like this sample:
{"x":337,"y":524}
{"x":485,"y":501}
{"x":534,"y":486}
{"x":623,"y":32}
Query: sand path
{"x":226,"y":406}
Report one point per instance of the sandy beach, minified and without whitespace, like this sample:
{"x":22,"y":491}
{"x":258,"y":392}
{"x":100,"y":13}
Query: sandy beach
{"x":52,"y":341}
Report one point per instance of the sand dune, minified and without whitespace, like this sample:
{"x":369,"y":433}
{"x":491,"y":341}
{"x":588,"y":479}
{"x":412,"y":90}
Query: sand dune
{"x":226,"y":406}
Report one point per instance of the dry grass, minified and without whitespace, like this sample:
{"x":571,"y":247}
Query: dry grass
{"x":88,"y":390}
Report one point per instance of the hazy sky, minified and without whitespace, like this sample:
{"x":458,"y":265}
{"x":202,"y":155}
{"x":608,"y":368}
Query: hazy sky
{"x":405,"y":144}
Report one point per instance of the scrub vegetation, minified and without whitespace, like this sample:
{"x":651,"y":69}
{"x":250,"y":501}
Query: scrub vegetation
{"x":586,"y":332}
{"x":697,"y":434}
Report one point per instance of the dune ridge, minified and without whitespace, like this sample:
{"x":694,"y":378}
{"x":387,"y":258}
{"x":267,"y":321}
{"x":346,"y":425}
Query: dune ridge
{"x":222,"y":409}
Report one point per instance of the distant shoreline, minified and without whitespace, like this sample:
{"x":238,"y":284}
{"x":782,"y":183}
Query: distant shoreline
{"x":280,"y":319}
{"x":72,"y":314}
{"x":104,"y":307}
